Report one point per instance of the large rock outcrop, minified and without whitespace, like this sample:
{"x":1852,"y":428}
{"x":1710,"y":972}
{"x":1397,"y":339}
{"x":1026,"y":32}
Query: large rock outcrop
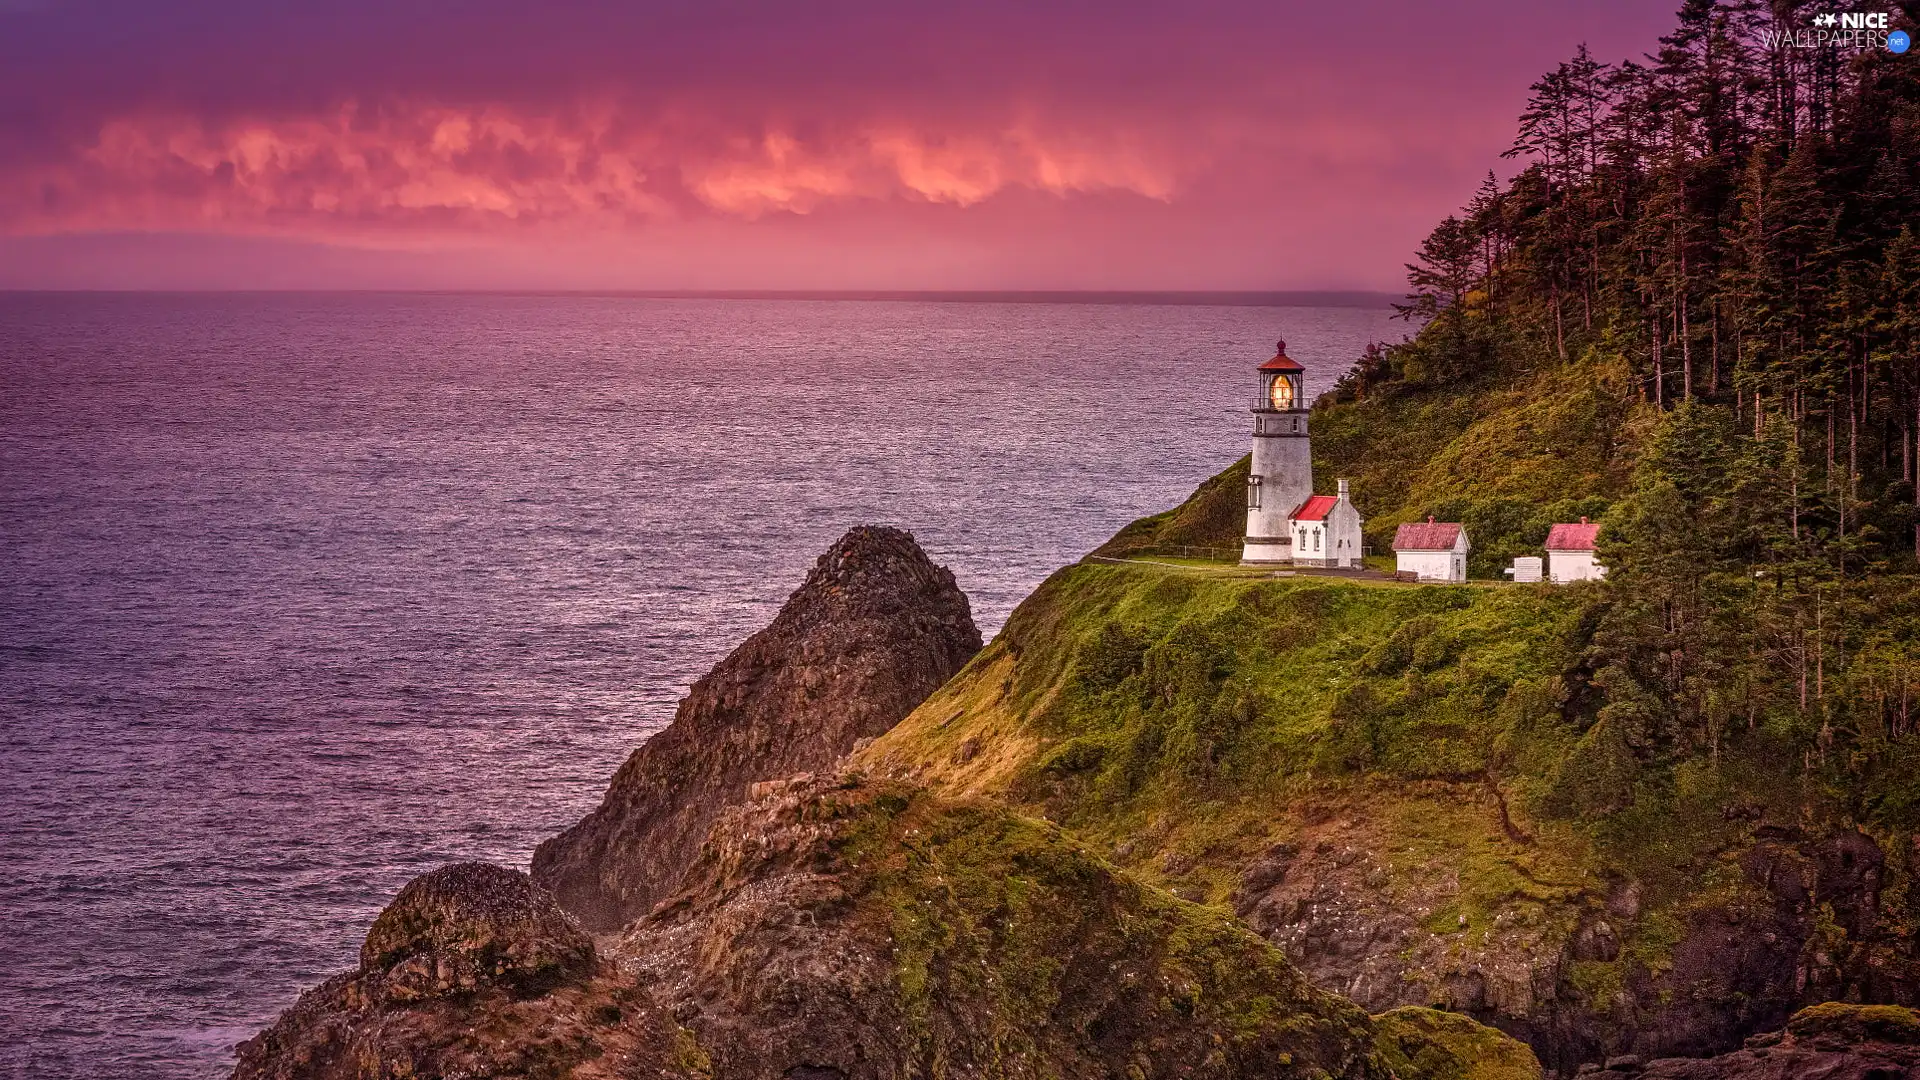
{"x":1834,"y":1041}
{"x":845,"y":929}
{"x":874,"y":630}
{"x":475,"y":971}
{"x":842,"y":929}
{"x":1797,"y":918}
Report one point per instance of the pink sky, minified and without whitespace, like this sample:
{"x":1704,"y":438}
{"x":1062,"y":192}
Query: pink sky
{"x":743,"y":145}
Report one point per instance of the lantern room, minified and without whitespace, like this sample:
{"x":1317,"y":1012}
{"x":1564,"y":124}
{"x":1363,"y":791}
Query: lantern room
{"x":1280,"y":389}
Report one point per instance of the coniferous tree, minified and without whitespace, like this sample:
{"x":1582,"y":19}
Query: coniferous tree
{"x":1722,"y":229}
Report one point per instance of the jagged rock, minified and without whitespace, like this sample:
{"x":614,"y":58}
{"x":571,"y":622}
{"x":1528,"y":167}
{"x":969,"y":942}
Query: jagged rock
{"x":874,"y":630}
{"x":469,"y":924}
{"x":1834,"y":1041}
{"x":869,"y":931}
{"x":1740,"y":964}
{"x":474,"y":971}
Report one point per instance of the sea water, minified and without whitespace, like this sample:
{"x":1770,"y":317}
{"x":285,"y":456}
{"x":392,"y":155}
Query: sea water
{"x":303,"y":595}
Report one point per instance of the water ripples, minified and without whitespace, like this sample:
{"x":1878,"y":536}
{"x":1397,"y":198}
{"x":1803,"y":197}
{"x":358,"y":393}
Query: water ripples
{"x":301,"y":596}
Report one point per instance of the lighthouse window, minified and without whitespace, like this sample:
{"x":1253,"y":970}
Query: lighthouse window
{"x":1253,"y":493}
{"x":1296,"y":423}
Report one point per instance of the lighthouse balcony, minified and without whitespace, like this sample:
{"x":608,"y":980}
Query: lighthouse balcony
{"x":1275,"y":422}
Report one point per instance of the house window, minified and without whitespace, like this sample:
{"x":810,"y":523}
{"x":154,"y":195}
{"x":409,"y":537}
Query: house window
{"x":1253,"y":493}
{"x":1316,"y":539}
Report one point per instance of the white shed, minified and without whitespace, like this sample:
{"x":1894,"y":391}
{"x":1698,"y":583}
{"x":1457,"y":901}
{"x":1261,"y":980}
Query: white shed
{"x":1435,"y":550}
{"x":1326,"y":531}
{"x":1570,"y":553}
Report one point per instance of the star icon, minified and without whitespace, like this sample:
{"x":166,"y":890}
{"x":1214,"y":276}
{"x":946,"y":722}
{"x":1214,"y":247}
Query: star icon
{"x":1825,"y":19}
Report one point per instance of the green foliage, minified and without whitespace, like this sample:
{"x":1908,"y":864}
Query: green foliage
{"x":1447,"y":1046}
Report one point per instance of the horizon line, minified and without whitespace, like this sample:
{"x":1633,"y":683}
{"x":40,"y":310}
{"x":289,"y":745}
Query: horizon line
{"x":1167,"y":297}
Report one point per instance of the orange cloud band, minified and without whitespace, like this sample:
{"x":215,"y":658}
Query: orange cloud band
{"x":432,"y":167}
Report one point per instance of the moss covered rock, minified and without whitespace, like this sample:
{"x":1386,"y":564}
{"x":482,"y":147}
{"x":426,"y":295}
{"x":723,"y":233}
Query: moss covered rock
{"x":871,"y":930}
{"x":1841,"y":1023}
{"x":1447,"y":1046}
{"x":1832,"y":1041}
{"x":469,"y":924}
{"x":475,"y":971}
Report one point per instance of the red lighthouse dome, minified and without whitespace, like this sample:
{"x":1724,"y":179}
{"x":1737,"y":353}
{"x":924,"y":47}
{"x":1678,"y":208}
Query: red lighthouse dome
{"x":1281,"y":361}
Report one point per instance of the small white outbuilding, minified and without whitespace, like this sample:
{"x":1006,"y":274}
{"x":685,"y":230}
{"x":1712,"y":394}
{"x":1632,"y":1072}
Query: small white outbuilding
{"x":1525,"y":569}
{"x":1570,"y":553}
{"x":1326,"y":531}
{"x":1435,"y":550}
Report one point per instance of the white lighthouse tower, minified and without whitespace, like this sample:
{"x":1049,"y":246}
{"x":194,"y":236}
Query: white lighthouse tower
{"x":1282,"y":475}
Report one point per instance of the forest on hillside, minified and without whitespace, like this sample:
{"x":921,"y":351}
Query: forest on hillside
{"x":1697,"y":308}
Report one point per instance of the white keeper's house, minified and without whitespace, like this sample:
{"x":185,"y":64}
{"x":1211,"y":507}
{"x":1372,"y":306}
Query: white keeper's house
{"x":1326,"y":531}
{"x":1434,"y":550}
{"x":1570,"y":553}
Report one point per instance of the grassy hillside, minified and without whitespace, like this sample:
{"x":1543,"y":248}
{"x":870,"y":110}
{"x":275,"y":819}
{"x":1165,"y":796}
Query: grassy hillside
{"x":1420,"y":783}
{"x":1118,"y":693}
{"x":1507,"y":457}
{"x":1651,"y":815}
{"x":1191,"y":723}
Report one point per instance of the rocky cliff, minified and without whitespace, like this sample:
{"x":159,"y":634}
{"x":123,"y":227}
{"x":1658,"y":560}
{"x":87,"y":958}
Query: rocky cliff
{"x":841,"y":929}
{"x":875,"y":628}
{"x":872,"y":932}
{"x":1171,"y":822}
{"x":1833,"y":1041}
{"x":1586,"y":971}
{"x":474,"y":971}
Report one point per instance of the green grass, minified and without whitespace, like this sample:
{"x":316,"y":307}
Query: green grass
{"x":1184,"y":715}
{"x":1184,"y":708}
{"x":1184,"y":721}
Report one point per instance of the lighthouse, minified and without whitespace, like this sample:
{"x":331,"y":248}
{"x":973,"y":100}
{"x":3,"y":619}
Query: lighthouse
{"x":1282,"y":476}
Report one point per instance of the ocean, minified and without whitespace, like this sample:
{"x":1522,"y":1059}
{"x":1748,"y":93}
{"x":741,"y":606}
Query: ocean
{"x":302,"y":595}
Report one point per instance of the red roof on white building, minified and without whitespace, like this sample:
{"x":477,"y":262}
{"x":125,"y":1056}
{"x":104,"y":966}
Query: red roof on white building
{"x":1428,"y":535}
{"x":1579,"y":537}
{"x":1316,"y":508}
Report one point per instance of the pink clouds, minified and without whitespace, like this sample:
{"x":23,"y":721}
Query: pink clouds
{"x":734,"y":143}
{"x":356,"y":169}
